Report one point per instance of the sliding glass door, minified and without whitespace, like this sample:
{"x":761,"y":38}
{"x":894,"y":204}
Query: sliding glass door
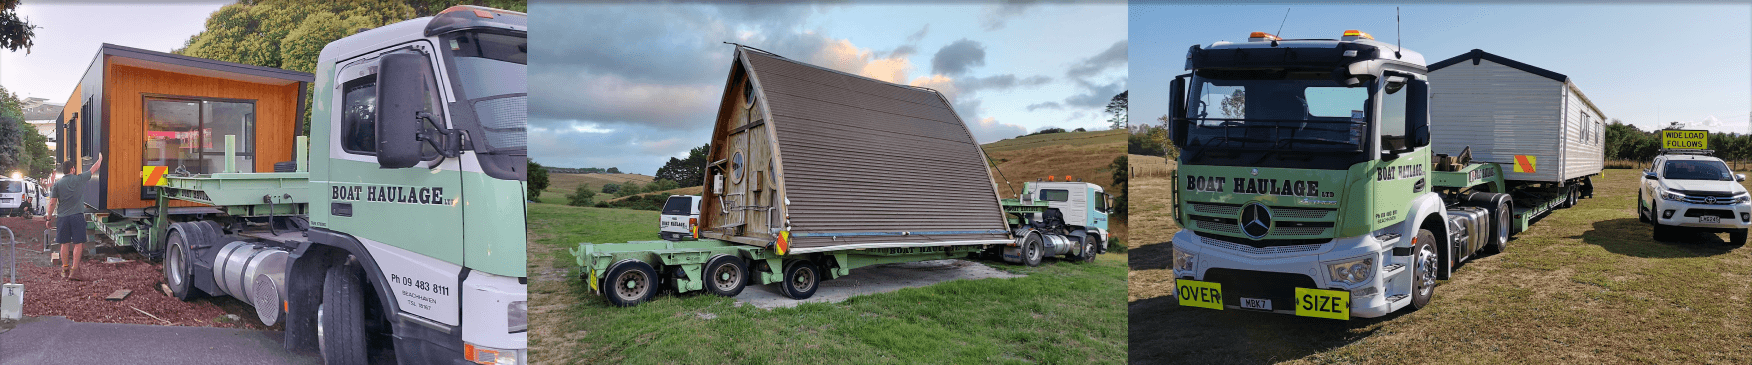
{"x":189,"y":134}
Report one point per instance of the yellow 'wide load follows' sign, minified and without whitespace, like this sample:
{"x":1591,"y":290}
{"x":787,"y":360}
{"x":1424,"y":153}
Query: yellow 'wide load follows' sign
{"x":1684,"y":139}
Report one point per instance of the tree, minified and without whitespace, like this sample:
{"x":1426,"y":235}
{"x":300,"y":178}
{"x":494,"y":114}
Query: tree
{"x":1118,"y":109}
{"x":629,"y":189}
{"x":689,"y":172}
{"x":288,"y":34}
{"x":15,"y":33}
{"x":1080,"y":129}
{"x":610,"y":188}
{"x":1121,"y":174}
{"x":538,"y":179}
{"x":582,"y":197}
{"x":660,"y":185}
{"x":613,"y":170}
{"x":22,"y":149}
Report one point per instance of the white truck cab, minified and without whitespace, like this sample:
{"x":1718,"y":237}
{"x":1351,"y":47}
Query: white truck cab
{"x":681,"y":214}
{"x":1694,"y":191}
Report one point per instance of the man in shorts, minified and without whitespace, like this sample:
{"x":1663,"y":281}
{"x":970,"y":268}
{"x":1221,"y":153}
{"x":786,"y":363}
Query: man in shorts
{"x":67,"y":214}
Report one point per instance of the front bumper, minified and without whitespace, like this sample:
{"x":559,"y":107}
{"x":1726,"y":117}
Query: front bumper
{"x":1274,"y":274}
{"x":1683,"y":214}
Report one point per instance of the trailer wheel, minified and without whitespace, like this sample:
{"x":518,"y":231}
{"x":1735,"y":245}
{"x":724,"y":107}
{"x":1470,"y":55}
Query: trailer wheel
{"x":630,"y":283}
{"x":726,"y":275}
{"x":1425,"y":264}
{"x":340,"y":320}
{"x":801,"y":279}
{"x":1033,"y":249}
{"x":177,"y":266}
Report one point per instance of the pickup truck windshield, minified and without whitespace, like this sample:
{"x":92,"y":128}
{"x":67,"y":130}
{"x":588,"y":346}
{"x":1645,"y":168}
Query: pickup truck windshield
{"x":1696,"y":170}
{"x":1286,"y":112}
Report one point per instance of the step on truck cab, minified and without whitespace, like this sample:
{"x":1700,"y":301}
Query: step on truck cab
{"x":1307,"y":183}
{"x":1689,"y":190}
{"x":398,"y":233}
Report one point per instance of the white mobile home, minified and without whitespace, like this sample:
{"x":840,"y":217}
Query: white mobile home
{"x":1532,"y":120}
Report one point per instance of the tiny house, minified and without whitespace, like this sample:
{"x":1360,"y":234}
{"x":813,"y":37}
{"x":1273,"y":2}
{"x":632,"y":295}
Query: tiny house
{"x":144,"y":108}
{"x":1515,"y":114}
{"x":824,"y":160}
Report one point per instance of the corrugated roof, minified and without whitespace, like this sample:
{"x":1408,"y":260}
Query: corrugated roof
{"x":862,"y":161}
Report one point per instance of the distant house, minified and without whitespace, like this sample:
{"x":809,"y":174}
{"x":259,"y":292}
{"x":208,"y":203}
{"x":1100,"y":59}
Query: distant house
{"x":41,"y":114}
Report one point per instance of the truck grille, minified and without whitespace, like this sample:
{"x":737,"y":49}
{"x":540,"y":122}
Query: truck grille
{"x":1299,"y":231}
{"x":1694,"y":213}
{"x":1230,"y":228}
{"x":1709,"y":200}
{"x":1268,"y":250}
{"x":1224,"y":209}
{"x":1280,"y":288}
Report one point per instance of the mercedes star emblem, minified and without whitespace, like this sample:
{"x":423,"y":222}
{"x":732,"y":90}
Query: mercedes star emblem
{"x":1255,"y":220}
{"x":1255,"y":172}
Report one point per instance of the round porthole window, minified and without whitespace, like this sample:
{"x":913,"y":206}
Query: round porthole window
{"x":736,"y":170}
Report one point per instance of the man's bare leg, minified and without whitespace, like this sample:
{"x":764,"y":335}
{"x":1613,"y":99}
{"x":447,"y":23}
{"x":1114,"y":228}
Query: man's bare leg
{"x":65,"y":251}
{"x":78,"y":253}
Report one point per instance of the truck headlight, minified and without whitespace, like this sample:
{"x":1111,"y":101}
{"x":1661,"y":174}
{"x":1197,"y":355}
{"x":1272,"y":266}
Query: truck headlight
{"x":517,"y":317}
{"x":1352,"y":271}
{"x":1183,"y":260}
{"x":1742,"y":198}
{"x":1669,"y":195}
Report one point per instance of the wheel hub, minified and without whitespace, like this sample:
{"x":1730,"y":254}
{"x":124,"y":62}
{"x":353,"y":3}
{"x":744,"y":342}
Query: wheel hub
{"x":633,"y":285}
{"x":1426,"y":270}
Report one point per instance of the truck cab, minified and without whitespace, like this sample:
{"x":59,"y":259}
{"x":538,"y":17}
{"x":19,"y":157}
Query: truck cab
{"x":679,"y":219}
{"x":1072,"y":204}
{"x":1690,"y":190}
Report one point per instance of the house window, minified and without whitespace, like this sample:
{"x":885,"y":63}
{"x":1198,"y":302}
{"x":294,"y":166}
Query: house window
{"x":189,"y":133}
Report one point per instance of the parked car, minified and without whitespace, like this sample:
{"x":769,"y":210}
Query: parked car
{"x":21,"y":197}
{"x":680,"y":216}
{"x":1694,"y":192}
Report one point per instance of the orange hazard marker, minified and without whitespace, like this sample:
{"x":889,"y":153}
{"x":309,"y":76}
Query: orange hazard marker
{"x":153,"y":175}
{"x":1526,"y":163}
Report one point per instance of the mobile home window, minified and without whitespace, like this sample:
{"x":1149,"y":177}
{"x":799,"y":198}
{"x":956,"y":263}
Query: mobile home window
{"x":190,"y":133}
{"x":1055,"y":195}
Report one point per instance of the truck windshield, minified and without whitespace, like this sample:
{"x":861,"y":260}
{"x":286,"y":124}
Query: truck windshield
{"x":490,"y":68}
{"x":1697,"y":170}
{"x":11,"y":186}
{"x":1276,"y":111}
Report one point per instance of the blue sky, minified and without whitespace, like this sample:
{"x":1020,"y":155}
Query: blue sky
{"x":1646,"y":65}
{"x":629,"y":86}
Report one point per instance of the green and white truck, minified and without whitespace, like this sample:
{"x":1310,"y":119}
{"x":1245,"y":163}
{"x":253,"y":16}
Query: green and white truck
{"x":1309,"y":183}
{"x":399,"y":234}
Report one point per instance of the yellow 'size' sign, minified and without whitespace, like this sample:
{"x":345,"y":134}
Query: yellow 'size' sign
{"x":1684,"y":139}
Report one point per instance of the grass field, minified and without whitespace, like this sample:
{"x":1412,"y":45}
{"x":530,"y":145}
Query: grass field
{"x":1062,"y":312}
{"x":1583,"y":285}
{"x":1082,"y":155}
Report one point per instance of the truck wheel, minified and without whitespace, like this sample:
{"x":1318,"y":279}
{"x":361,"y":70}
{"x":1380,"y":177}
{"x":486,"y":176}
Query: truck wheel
{"x":630,"y":283}
{"x":726,"y":275}
{"x":801,"y":277}
{"x":1088,"y":250}
{"x":1501,"y":208}
{"x":1737,"y":237}
{"x":1424,"y":263}
{"x":1033,"y":249}
{"x":340,"y":321}
{"x":177,"y":265}
{"x":1641,"y":215}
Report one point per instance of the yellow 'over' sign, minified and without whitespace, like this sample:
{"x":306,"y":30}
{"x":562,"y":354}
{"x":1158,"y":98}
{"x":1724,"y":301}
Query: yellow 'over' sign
{"x":1684,"y":139}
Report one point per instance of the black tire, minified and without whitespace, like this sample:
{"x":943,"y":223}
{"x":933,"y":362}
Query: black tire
{"x":1642,"y":214}
{"x":801,"y":279}
{"x":341,"y":319}
{"x":1425,"y":265}
{"x":1088,"y":250}
{"x":725,"y":275}
{"x":1737,"y":237}
{"x":1033,"y":249}
{"x":1501,"y":208}
{"x":629,"y":283}
{"x":1664,"y":233}
{"x":178,"y":259}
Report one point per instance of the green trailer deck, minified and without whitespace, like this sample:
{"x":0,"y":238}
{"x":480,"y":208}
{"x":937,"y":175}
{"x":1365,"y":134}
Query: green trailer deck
{"x":691,"y":256}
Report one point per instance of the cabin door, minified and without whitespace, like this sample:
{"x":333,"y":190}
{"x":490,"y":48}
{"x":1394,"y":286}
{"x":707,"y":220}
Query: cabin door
{"x":748,"y":188}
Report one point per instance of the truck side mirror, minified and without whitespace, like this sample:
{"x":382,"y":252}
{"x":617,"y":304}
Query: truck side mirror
{"x":1648,"y":175}
{"x":401,"y":96}
{"x":1740,"y":177}
{"x":1417,"y":109}
{"x":1177,"y":124}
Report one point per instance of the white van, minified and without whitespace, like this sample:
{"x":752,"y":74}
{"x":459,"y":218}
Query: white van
{"x":21,"y":198}
{"x":680,"y":214}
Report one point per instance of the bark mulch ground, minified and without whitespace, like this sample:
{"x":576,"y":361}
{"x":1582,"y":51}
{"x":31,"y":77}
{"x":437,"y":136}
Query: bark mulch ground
{"x":47,"y":294}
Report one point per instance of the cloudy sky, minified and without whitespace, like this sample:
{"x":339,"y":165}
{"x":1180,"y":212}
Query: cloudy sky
{"x":630,"y":86}
{"x":1647,"y":65}
{"x":70,"y":34}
